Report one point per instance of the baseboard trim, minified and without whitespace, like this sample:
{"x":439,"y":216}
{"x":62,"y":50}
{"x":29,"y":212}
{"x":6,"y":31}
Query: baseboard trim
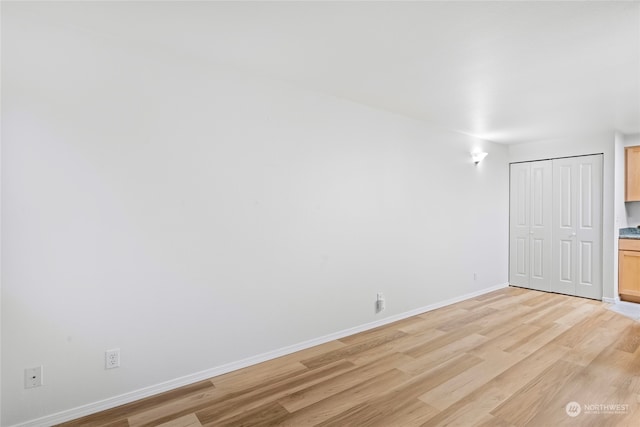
{"x":615,"y":300}
{"x":125,"y":398}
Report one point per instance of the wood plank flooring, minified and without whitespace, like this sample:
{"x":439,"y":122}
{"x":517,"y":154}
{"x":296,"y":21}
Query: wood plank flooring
{"x":513,"y":357}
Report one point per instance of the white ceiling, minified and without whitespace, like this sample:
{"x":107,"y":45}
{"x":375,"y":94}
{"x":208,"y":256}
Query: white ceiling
{"x":503,"y":71}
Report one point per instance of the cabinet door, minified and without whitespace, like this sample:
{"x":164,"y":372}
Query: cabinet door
{"x":629,"y":273}
{"x":632,"y":172}
{"x":577,"y":226}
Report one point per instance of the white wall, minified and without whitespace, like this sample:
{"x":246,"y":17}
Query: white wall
{"x":575,"y":146}
{"x":633,"y":214}
{"x":626,"y":214}
{"x":194,"y":215}
{"x":630,"y":211}
{"x":620,"y":210}
{"x":0,"y":218}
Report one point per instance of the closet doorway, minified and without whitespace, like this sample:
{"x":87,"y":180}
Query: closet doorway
{"x":555,"y":225}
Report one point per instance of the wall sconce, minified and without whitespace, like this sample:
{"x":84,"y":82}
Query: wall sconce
{"x":478,"y":156}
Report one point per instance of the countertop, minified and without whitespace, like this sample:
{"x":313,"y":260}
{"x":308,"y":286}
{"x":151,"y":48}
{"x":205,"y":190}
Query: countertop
{"x":630,"y":233}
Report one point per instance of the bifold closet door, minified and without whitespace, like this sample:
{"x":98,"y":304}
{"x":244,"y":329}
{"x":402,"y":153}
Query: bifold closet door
{"x":577,"y":226}
{"x":530,"y":225}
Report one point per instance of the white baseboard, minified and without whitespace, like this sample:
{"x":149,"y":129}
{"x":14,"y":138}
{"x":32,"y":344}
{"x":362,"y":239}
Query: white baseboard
{"x":122,"y":399}
{"x":615,"y":300}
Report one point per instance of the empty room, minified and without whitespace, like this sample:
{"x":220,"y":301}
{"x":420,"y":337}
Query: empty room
{"x":320,"y":213}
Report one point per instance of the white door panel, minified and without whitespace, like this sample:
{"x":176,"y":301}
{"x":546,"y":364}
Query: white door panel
{"x":530,"y":225}
{"x":589,"y":230}
{"x":563,"y":230}
{"x":522,"y":258}
{"x":541,"y":222}
{"x":577,"y":225}
{"x":519,"y":224}
{"x":585,"y":256}
{"x":556,"y":225}
{"x":563,"y":267}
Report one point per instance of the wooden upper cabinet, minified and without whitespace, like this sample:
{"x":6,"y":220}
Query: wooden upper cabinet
{"x":632,"y":168}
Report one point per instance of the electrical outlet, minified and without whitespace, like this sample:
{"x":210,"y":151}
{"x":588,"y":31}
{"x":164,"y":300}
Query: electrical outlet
{"x":380,"y":303}
{"x":33,"y":377}
{"x":112,"y":358}
{"x":475,"y":277}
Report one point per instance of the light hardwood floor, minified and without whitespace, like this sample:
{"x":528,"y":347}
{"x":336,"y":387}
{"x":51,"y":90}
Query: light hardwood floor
{"x":514,"y":357}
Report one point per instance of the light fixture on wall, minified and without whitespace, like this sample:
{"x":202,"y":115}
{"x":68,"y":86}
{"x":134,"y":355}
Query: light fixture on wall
{"x":478,"y":156}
